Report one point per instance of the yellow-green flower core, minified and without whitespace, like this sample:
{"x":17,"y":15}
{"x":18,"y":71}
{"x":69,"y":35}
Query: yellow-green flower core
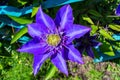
{"x":53,"y":39}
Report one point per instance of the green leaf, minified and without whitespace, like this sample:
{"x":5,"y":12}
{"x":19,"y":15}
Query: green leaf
{"x":106,"y":34}
{"x":51,"y":72}
{"x":17,"y":3}
{"x":115,"y":27}
{"x":23,"y":2}
{"x":95,"y":13}
{"x":0,"y":44}
{"x":19,"y":34}
{"x":34,"y":11}
{"x":21,"y":20}
{"x":1,"y":67}
{"x":107,"y":49}
{"x":94,"y":29}
{"x":116,"y":45}
{"x":86,"y":18}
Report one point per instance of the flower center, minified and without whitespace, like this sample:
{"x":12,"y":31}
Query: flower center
{"x":53,"y":39}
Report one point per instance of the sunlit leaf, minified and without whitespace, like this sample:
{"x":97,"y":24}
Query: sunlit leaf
{"x":51,"y":72}
{"x":107,"y":49}
{"x":106,"y":34}
{"x":19,"y":34}
{"x":94,"y":29}
{"x":23,"y":2}
{"x":114,"y":27}
{"x":34,"y":11}
{"x":21,"y":20}
{"x":86,"y":18}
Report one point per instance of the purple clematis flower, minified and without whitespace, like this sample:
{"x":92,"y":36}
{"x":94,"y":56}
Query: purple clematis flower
{"x":86,"y":43}
{"x":53,"y":39}
{"x":117,"y":12}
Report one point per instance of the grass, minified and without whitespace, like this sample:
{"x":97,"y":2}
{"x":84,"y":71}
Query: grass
{"x":19,"y":66}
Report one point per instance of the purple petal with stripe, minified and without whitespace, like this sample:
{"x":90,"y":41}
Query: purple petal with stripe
{"x":34,"y":46}
{"x":89,"y":51}
{"x":38,"y":61}
{"x":73,"y":54}
{"x":36,"y":29}
{"x":76,"y":31}
{"x":59,"y":62}
{"x":45,"y":20}
{"x":64,"y":17}
{"x":81,"y":49}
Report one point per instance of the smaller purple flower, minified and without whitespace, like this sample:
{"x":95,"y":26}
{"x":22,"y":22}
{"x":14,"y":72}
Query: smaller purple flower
{"x":86,"y":43}
{"x":117,"y":12}
{"x":53,"y":39}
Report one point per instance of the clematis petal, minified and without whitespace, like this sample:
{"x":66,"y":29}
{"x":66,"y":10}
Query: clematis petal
{"x":89,"y":51}
{"x":81,"y":49}
{"x":80,"y":46}
{"x":38,"y":61}
{"x":34,"y":46}
{"x":73,"y":54}
{"x":45,"y":20}
{"x":59,"y":62}
{"x":96,"y":43}
{"x":36,"y":29}
{"x":117,"y":12}
{"x":64,"y":52}
{"x":76,"y":31}
{"x":64,"y":17}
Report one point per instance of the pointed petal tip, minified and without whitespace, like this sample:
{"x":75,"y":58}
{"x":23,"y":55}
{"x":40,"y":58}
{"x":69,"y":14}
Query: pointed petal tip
{"x":88,"y":28}
{"x":64,"y":17}
{"x":80,"y":61}
{"x":19,"y":50}
{"x":99,"y":44}
{"x":40,"y":8}
{"x":28,"y":25}
{"x":65,"y":72}
{"x":60,"y":63}
{"x":34,"y":73}
{"x":45,"y":20}
{"x":68,"y":5}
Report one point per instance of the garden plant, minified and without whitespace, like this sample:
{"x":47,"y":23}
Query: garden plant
{"x":60,"y":40}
